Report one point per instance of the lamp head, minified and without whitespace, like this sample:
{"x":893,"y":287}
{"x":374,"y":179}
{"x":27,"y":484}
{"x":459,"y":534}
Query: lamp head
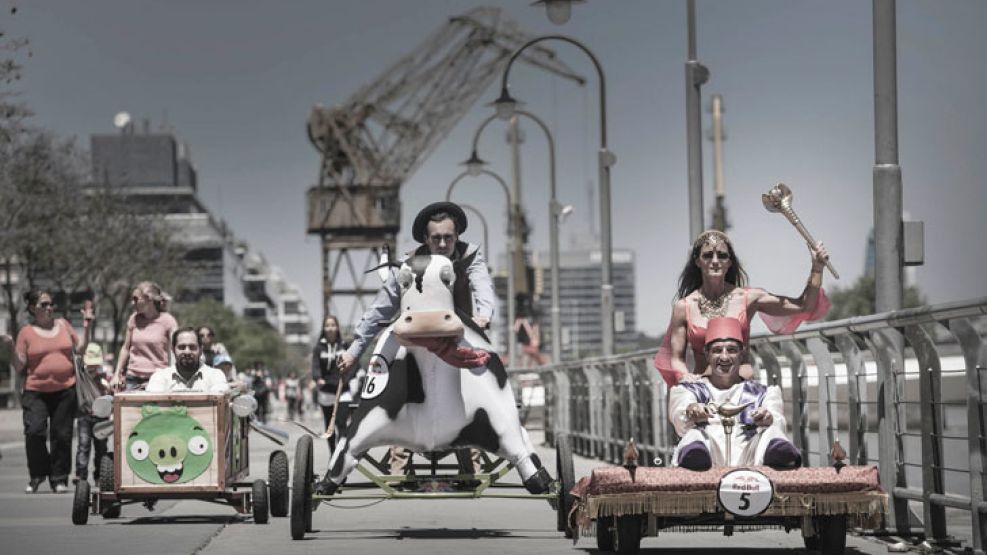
{"x":474,"y":164}
{"x":505,"y":105}
{"x":565,"y":211}
{"x":558,"y":11}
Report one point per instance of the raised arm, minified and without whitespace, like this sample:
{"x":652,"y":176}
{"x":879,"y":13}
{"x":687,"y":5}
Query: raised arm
{"x":778,"y":305}
{"x":384,"y":308}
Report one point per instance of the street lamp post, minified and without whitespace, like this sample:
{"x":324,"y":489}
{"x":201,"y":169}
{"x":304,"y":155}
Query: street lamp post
{"x":515,"y":240}
{"x":554,"y":215}
{"x":506,"y":107}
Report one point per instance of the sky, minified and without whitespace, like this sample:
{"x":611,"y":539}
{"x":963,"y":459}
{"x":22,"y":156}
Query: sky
{"x":237,"y":79}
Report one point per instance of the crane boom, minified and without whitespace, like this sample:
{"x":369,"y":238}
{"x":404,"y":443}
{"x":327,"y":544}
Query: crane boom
{"x":371,"y":143}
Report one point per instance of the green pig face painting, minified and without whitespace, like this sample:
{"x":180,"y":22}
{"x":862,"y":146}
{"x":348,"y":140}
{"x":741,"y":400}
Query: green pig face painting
{"x":168,"y":446}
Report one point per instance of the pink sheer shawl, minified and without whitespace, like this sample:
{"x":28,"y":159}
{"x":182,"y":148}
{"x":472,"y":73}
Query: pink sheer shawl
{"x":779,"y":325}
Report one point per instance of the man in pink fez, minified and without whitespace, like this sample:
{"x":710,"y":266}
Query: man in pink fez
{"x":758,"y":438}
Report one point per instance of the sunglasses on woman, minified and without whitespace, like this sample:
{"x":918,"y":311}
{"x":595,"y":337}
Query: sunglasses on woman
{"x":721,"y":255}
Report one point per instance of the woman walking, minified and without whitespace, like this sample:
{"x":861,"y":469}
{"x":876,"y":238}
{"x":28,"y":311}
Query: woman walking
{"x":326,"y":375}
{"x":45,"y":352}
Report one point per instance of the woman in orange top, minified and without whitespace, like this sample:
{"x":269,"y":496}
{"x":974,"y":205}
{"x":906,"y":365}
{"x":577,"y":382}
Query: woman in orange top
{"x":44,"y":351}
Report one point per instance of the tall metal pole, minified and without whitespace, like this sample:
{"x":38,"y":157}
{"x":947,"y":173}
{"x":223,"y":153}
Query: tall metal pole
{"x":887,"y":172}
{"x":516,"y":267}
{"x":888,"y":250}
{"x":720,"y":210}
{"x":511,"y":350}
{"x":695,"y":75}
{"x":554,"y":215}
{"x":605,"y":159}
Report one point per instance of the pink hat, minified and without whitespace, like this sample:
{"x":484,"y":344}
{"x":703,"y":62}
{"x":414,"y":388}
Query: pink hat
{"x":724,"y":328}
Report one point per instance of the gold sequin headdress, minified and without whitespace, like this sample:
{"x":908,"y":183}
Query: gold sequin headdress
{"x":713,"y":236}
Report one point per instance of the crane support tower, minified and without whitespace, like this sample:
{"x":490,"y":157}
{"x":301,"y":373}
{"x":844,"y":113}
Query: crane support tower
{"x":374,"y":141}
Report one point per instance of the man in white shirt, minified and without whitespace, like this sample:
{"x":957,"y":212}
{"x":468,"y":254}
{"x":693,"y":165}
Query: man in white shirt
{"x":757,"y":438}
{"x":188,"y":374}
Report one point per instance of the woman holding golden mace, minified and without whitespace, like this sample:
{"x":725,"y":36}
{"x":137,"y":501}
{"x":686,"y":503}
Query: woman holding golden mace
{"x":713,"y":284}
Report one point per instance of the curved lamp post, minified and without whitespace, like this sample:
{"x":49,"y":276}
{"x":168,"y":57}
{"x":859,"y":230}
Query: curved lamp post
{"x":506,"y":107}
{"x":475,"y":163}
{"x":511,"y":351}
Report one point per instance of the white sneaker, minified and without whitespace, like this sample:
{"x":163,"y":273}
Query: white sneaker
{"x":61,"y":488}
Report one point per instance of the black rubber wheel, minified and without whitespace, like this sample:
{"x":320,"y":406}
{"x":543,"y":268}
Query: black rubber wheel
{"x":80,"y":503}
{"x":301,"y":489}
{"x":277,"y":479}
{"x":106,"y":474}
{"x":811,"y":542}
{"x":604,"y":533}
{"x":627,"y":539}
{"x":567,"y":479}
{"x":258,"y":498}
{"x":831,"y":531}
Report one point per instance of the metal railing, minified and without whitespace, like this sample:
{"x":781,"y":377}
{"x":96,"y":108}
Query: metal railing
{"x":905,"y":390}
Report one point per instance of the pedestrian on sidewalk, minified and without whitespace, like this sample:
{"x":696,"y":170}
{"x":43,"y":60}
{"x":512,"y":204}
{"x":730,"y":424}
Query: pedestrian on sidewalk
{"x":44,"y":352}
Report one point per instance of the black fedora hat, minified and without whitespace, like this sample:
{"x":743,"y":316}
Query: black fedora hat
{"x":423,"y":217}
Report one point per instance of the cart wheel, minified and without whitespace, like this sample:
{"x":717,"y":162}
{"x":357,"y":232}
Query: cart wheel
{"x":106,"y":474}
{"x":301,"y":489}
{"x":567,"y":479}
{"x":831,"y":534}
{"x":259,"y":499}
{"x":604,"y":533}
{"x":811,"y":542}
{"x":277,"y":479}
{"x":628,"y":534}
{"x":80,"y":503}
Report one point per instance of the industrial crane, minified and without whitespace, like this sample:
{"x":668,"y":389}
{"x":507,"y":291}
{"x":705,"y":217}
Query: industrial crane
{"x":374,"y":141}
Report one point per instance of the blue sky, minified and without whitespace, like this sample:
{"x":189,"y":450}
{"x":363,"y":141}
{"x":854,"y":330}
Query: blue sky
{"x":236,"y":79}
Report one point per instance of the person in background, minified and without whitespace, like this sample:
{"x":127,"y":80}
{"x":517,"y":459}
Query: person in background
{"x":224,"y":362}
{"x":292,"y":394}
{"x":326,"y":374}
{"x":147,"y":344}
{"x":44,"y":351}
{"x":261,"y":386}
{"x":92,"y":361}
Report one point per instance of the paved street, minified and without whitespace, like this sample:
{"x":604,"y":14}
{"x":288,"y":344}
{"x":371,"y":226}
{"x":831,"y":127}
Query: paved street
{"x":34,"y":524}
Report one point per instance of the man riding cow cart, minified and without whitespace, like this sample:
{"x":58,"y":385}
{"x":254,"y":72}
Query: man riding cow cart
{"x":434,"y":385}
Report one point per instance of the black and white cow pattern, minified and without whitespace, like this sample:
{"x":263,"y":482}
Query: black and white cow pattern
{"x":414,"y":399}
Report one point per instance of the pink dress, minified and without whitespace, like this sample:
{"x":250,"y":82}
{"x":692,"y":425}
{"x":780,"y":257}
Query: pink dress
{"x":696,"y":335}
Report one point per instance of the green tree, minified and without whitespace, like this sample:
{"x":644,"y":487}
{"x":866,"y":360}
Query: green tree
{"x":247,"y":342}
{"x":859,"y":299}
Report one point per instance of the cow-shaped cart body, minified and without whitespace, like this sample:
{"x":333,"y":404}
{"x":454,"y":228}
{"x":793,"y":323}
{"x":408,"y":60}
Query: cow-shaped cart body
{"x":418,"y":399}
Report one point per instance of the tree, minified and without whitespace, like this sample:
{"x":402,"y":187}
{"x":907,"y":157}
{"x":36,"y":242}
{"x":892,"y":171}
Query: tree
{"x":12,"y":111}
{"x":246,"y":341}
{"x":859,"y":299}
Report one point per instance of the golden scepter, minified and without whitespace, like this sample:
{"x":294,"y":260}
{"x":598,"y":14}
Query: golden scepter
{"x":779,"y":199}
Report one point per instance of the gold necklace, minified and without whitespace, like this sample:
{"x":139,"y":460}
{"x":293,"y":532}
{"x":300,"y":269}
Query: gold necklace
{"x":713,"y":308}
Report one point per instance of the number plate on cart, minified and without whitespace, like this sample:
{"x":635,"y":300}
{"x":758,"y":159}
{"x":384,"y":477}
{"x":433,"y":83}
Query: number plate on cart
{"x":745,"y":492}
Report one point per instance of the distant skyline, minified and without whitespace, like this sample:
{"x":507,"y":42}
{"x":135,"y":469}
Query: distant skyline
{"x":236,"y":81}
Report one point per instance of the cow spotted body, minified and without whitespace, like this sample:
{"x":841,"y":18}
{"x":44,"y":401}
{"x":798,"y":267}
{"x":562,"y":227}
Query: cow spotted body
{"x":414,"y":399}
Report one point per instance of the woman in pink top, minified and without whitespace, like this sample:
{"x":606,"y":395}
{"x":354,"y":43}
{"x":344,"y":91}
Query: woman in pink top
{"x":147,"y":345}
{"x":713,"y":284}
{"x":44,"y":351}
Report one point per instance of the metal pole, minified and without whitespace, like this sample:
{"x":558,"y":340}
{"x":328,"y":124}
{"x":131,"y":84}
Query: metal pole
{"x":486,"y":238}
{"x":719,"y":212}
{"x":887,"y":172}
{"x":511,"y":351}
{"x":516,"y":265}
{"x":553,"y":214}
{"x":695,"y":75}
{"x":605,"y":159}
{"x":887,"y":236}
